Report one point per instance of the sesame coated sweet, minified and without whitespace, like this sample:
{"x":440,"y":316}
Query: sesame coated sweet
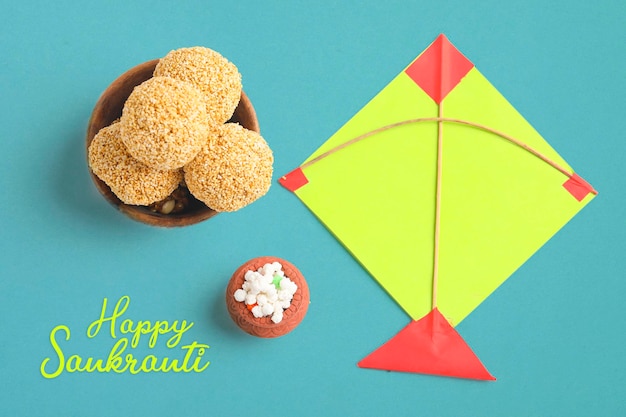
{"x":210,"y":72}
{"x":130,"y":180}
{"x":164,"y":123}
{"x":233,"y":169}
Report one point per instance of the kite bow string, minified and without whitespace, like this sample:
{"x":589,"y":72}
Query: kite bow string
{"x":439,"y":120}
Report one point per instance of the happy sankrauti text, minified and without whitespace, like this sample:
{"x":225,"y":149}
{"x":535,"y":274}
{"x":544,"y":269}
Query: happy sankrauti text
{"x":127,"y":335}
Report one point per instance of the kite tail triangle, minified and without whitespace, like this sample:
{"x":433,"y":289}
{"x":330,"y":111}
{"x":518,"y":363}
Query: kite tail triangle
{"x":428,"y":346}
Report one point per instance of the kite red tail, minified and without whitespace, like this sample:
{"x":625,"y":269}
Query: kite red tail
{"x":428,"y":346}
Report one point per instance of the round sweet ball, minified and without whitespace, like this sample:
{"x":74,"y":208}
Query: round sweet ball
{"x":164,"y":123}
{"x":233,"y":169}
{"x":130,"y":180}
{"x":211,"y":73}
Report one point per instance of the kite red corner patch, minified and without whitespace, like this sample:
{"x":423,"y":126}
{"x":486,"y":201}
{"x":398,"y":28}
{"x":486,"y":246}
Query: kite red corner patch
{"x":439,"y":68}
{"x":578,"y":187}
{"x":294,"y":180}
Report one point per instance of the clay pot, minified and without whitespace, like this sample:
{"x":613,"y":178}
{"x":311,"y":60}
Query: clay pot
{"x":109,"y":108}
{"x":264,"y":326}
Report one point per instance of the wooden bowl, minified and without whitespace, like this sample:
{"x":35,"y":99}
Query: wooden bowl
{"x":264,"y":326}
{"x":109,"y":108}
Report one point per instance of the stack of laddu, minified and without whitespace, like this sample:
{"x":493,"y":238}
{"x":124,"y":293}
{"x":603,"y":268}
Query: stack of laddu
{"x":173,"y":132}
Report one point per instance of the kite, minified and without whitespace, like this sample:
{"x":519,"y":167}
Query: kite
{"x":441,"y":190}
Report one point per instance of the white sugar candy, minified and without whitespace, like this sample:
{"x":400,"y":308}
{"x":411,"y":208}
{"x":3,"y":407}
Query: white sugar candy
{"x":277,"y":317}
{"x":268,"y":289}
{"x":267,"y":309}
{"x":240,"y":295}
{"x":257,"y":311}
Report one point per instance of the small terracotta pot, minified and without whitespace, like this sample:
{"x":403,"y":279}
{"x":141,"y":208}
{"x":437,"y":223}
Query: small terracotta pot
{"x":109,"y":108}
{"x":264,"y":326}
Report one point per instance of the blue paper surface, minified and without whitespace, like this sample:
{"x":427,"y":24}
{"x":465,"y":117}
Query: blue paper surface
{"x":307,"y":68}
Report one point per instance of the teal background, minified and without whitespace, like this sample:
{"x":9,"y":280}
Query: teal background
{"x":553,"y":334}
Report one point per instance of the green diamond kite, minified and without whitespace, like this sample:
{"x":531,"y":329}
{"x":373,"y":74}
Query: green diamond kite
{"x":441,"y":190}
